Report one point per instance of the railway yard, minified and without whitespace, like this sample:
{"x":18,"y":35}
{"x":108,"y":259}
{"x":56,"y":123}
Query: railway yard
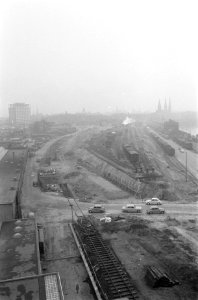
{"x":114,"y":167}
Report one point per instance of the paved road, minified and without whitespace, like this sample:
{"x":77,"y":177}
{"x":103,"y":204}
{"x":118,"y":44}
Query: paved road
{"x":170,"y":207}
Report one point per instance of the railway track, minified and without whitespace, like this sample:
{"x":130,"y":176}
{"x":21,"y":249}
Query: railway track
{"x":181,"y":169}
{"x":111,"y":278}
{"x":112,"y":163}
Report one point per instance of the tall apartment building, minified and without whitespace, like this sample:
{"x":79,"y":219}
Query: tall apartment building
{"x":19,"y":114}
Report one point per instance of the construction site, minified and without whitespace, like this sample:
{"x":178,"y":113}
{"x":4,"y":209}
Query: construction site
{"x":133,"y":255}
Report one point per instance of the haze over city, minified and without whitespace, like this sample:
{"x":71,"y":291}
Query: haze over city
{"x":98,"y":149}
{"x":101,"y":56}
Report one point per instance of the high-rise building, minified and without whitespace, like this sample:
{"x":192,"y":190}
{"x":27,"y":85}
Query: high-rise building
{"x":19,"y":114}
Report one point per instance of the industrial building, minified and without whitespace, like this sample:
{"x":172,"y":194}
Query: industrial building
{"x":19,"y":114}
{"x":17,"y":236}
{"x":20,"y":267}
{"x":39,"y":287}
{"x":12,"y":166}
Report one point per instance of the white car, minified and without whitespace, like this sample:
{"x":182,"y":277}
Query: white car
{"x":153,"y":201}
{"x":132,"y":208}
{"x":105,"y":220}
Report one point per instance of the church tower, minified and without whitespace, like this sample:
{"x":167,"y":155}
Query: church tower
{"x":159,"y":108}
{"x":169,"y":106}
{"x":165,"y":106}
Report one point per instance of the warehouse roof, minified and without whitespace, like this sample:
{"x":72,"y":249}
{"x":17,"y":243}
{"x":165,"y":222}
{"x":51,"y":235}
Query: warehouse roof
{"x":18,"y":249}
{"x":40,"y":287}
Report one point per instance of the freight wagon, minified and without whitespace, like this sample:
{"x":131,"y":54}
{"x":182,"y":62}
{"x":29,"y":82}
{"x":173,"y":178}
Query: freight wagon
{"x":132,"y":155}
{"x":168,"y":149}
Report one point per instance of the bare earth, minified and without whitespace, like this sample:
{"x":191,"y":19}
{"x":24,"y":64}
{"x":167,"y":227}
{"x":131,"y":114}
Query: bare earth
{"x":166,"y":241}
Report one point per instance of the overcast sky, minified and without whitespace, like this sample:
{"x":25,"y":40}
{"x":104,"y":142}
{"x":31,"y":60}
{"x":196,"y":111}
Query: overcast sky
{"x":100,"y":55}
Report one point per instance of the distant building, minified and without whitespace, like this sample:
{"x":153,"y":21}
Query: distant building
{"x":163,"y":112}
{"x":166,"y":109}
{"x":171,"y":126}
{"x":19,"y":114}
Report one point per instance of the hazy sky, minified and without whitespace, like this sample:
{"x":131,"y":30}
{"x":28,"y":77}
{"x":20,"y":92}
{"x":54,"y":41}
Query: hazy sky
{"x":99,"y":55}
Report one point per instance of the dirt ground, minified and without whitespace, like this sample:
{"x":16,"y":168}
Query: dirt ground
{"x":140,"y":243}
{"x":168,"y":242}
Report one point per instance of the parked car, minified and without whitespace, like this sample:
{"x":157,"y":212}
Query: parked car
{"x":153,"y":201}
{"x":132,"y":208}
{"x":97,"y":208}
{"x":155,"y":210}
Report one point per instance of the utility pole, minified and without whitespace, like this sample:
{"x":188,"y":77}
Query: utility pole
{"x":71,"y":205}
{"x":186,"y":167}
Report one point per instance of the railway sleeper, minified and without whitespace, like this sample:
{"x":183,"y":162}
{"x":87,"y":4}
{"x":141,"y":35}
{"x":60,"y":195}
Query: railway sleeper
{"x":121,"y":291}
{"x":116,"y":279}
{"x":109,"y":260}
{"x":115,"y":269}
{"x":110,"y":265}
{"x":112,"y":268}
{"x":99,"y":249}
{"x":113,"y":273}
{"x":107,"y":257}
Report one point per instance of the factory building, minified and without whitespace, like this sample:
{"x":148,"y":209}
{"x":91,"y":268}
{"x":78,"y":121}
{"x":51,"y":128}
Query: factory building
{"x":19,"y":114}
{"x":20,"y":267}
{"x":12,"y":166}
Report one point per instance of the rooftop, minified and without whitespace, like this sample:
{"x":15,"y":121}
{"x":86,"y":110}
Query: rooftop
{"x":40,"y":287}
{"x":3,"y":151}
{"x":18,"y":249}
{"x":10,"y":167}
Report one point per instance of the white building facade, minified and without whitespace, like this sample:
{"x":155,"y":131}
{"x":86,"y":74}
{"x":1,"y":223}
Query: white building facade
{"x":19,"y":114}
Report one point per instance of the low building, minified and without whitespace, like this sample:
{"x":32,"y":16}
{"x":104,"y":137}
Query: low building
{"x":11,"y":169}
{"x":19,"y":249}
{"x":20,"y":268}
{"x":40,"y":287}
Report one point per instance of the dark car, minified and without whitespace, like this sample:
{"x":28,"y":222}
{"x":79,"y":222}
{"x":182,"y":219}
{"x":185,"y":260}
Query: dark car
{"x":97,"y":208}
{"x":155,"y":210}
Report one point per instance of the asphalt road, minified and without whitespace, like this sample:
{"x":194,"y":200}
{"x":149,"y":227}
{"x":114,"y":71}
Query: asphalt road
{"x":170,"y":207}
